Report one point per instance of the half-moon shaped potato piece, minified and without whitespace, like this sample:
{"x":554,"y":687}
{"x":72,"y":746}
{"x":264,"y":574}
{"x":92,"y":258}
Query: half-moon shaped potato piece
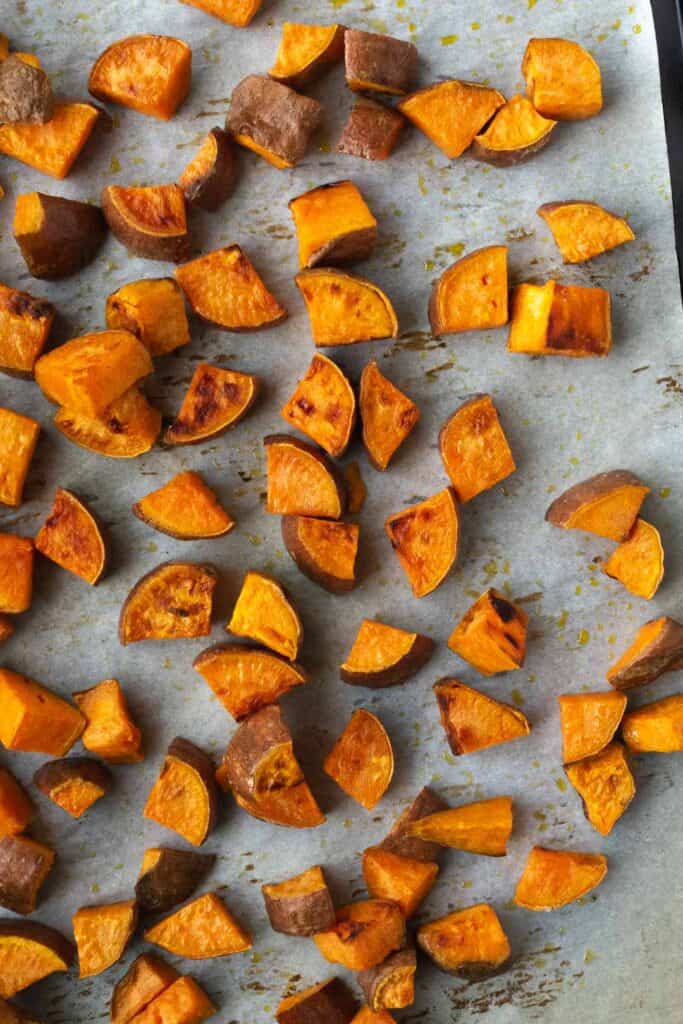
{"x":302,"y":480}
{"x":516,"y":132}
{"x":606,"y":504}
{"x":383,"y":655}
{"x":362,"y":760}
{"x":184,"y":796}
{"x":223,"y":288}
{"x":323,"y":405}
{"x":472,"y":294}
{"x":553,"y":878}
{"x":185,"y":508}
{"x":127,"y":428}
{"x":345,"y":309}
{"x":148,"y":73}
{"x":583,"y":230}
{"x":264,"y":612}
{"x":425,"y":539}
{"x":246,"y":679}
{"x":171,"y":602}
{"x":215,"y":400}
{"x":71,"y":537}
{"x":325,"y":551}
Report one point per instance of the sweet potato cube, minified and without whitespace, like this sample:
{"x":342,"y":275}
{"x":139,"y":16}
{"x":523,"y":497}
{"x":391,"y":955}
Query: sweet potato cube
{"x":391,"y":984}
{"x":400,"y":842}
{"x":146,"y":978}
{"x":102,"y":934}
{"x":482,"y":827}
{"x":184,"y":796}
{"x":246,"y":679}
{"x":371,"y":131}
{"x":657,"y":648}
{"x":553,"y":878}
{"x":388,"y":416}
{"x":402,"y":880}
{"x":56,"y":236}
{"x":35,"y":719}
{"x":365,"y":934}
{"x":362,"y":760}
{"x":203,"y":928}
{"x":235,"y":12}
{"x":563,"y":80}
{"x":264,"y":612}
{"x":153,"y":310}
{"x":30,"y":951}
{"x":560,"y":320}
{"x":656,"y":727}
{"x":24,"y":866}
{"x":272,"y":120}
{"x":605,"y":784}
{"x":25,"y":324}
{"x":168,"y":877}
{"x":25,"y":92}
{"x":474,"y":448}
{"x":323,"y":406}
{"x":382,"y":655}
{"x":638,"y":562}
{"x":492,"y":634}
{"x":375,"y":62}
{"x":344,"y":309}
{"x":216,"y":400}
{"x":210,"y":177}
{"x":452,"y":113}
{"x":185,"y":508}
{"x":472,"y":294}
{"x":302,"y":480}
{"x":127,"y":428}
{"x":333,"y":224}
{"x":183,"y":1002}
{"x":468,"y":942}
{"x":16,"y":810}
{"x":150,"y":220}
{"x":51,"y":148}
{"x":150,"y":74}
{"x":515,"y":133}
{"x":606,"y":504}
{"x":589,"y":722}
{"x":301,"y":905}
{"x":324,"y":551}
{"x":330,"y":1002}
{"x":71,"y":537}
{"x":472,"y":721}
{"x":583,"y":230}
{"x":16,"y":572}
{"x":109,"y":732}
{"x":18,"y":440}
{"x":172,"y":602}
{"x":305,"y":52}
{"x":74,"y":783}
{"x":224,"y":289}
{"x":425,"y":539}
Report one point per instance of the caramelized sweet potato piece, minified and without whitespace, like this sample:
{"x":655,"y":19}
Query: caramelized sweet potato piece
{"x":35,"y":719}
{"x":272,"y":120}
{"x":4,"y":46}
{"x":74,"y":783}
{"x":583,"y":230}
{"x":184,"y":796}
{"x":356,"y":491}
{"x":383,"y":655}
{"x":146,"y":978}
{"x":515,"y":133}
{"x":127,"y":428}
{"x":655,"y":728}
{"x":344,"y":309}
{"x":216,"y":400}
{"x":606,"y":504}
{"x":6,"y":628}
{"x":364,"y":935}
{"x":474,"y":448}
{"x":52,"y":148}
{"x":150,"y":74}
{"x":402,"y":880}
{"x":367,"y":1016}
{"x":210,"y":177}
{"x":468,"y":942}
{"x":235,"y":12}
{"x":24,"y":866}
{"x":292,"y":807}
{"x":425,"y":539}
{"x":472,"y":721}
{"x":223,"y":288}
{"x":183,"y":1002}
{"x":25,"y":92}
{"x":588,"y":722}
{"x":16,"y":573}
{"x":375,"y":62}
{"x":638,"y":562}
{"x":482,"y":827}
{"x":25,"y":325}
{"x":452,"y":113}
{"x":150,"y":220}
{"x":16,"y":810}
{"x":323,"y":406}
{"x":185,"y":508}
{"x":153,"y":310}
{"x":605,"y":784}
{"x":324,"y":551}
{"x":362,"y":760}
{"x":560,"y":320}
{"x":18,"y":440}
{"x":388,"y":416}
{"x":57,"y":236}
{"x":301,"y":905}
{"x":172,"y":602}
{"x":553,"y":878}
{"x":305,"y":52}
{"x":492,"y":634}
{"x":264,"y":612}
{"x":168,"y":877}
{"x":203,"y":928}
{"x":246,"y":679}
{"x":102,"y":934}
{"x":30,"y":951}
{"x":371,"y":131}
{"x":302,"y":480}
{"x":563,"y":81}
{"x":391,"y":984}
{"x":400,"y":842}
{"x":657,"y":648}
{"x":110,"y":732}
{"x":333,"y":224}
{"x":71,"y":537}
{"x":472,"y":294}
{"x":331,"y":1002}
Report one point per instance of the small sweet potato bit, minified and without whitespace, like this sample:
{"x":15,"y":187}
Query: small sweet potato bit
{"x":657,"y":648}
{"x":153,"y":310}
{"x":400,"y":842}
{"x":452,"y":113}
{"x":302,"y":480}
{"x":183,"y":1002}
{"x":468,"y":942}
{"x":344,"y":309}
{"x":246,"y":679}
{"x":168,"y":877}
{"x":57,"y":236}
{"x":16,"y":810}
{"x":210,"y":177}
{"x":235,"y":12}
{"x":150,"y":220}
{"x":223,"y":288}
{"x":272,"y":120}
{"x":150,"y":74}
{"x":560,"y":320}
{"x":203,"y":928}
{"x":553,"y":878}
{"x":110,"y":732}
{"x":474,"y":448}
{"x":365,"y":934}
{"x":216,"y":400}
{"x":589,"y":722}
{"x":367,"y":1016}
{"x":30,"y":951}
{"x":655,"y":728}
{"x":6,"y":628}
{"x":35,"y":719}
{"x":324,"y":551}
{"x":25,"y":324}
{"x":172,"y":602}
{"x":24,"y":866}
{"x":25,"y":92}
{"x":102,"y":934}
{"x":472,"y":294}
{"x":146,"y":978}
{"x":387,"y":414}
{"x":16,"y":573}
{"x":18,"y":440}
{"x":71,"y":537}
{"x":184,"y":796}
{"x":383,"y":655}
{"x":330,"y":1002}
{"x":185,"y":508}
{"x":583,"y":230}
{"x":323,"y":406}
{"x":605,"y":784}
{"x":4,"y":46}
{"x":638,"y":562}
{"x":482,"y":827}
{"x":516,"y":132}
{"x":301,"y":905}
{"x":563,"y":80}
{"x":127,"y":428}
{"x":402,"y":880}
{"x":305,"y":52}
{"x":425,"y":539}
{"x":74,"y":783}
{"x":362,"y":760}
{"x":606,"y":504}
{"x":356,"y":491}
{"x":371,"y":131}
{"x":333,"y":224}
{"x":375,"y":62}
{"x":472,"y":721}
{"x":492,"y":634}
{"x":264,"y":612}
{"x":11,"y":1014}
{"x":51,"y":148}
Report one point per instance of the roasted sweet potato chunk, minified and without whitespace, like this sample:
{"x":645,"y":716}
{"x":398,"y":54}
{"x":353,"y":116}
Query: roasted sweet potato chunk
{"x":492,"y":634}
{"x":391,"y":984}
{"x":589,"y":722}
{"x":472,"y":294}
{"x":344,"y":309}
{"x":150,"y":74}
{"x":203,"y":928}
{"x":388,"y":416}
{"x":305,"y":52}
{"x":35,"y":719}
{"x":57,"y":236}
{"x":331,"y":1002}
{"x":25,"y":92}
{"x":71,"y":537}
{"x":383,"y":655}
{"x":272,"y":120}
{"x":583,"y":230}
{"x":655,"y":728}
{"x":400,"y":842}
{"x":223,"y":288}
{"x":24,"y":866}
{"x":638,"y":562}
{"x":127,"y":428}
{"x":553,"y":878}
{"x":452,"y":113}
{"x":468,"y":942}
{"x":356,"y":491}
{"x":371,"y":131}
{"x":171,"y":602}
{"x":102,"y":934}
{"x":74,"y":783}
{"x":185,"y":508}
{"x":472,"y":721}
{"x":474,"y":448}
{"x":302,"y":480}
{"x":265,"y":613}
{"x":563,"y":81}
{"x":333,"y":224}
{"x":425,"y":539}
{"x":560,"y":320}
{"x":324,"y":551}
{"x":402,"y":880}
{"x":367,"y":1016}
{"x":515,"y":133}
{"x":168,"y":877}
{"x":365,"y":934}
{"x":657,"y":648}
{"x":216,"y":400}
{"x":183,"y":1000}
{"x":25,"y":324}
{"x":210,"y":177}
{"x":16,"y":810}
{"x":6,"y":628}
{"x":30,"y":951}
{"x":362,"y":760}
{"x":184,"y":796}
{"x":606,"y":504}
{"x":150,"y":220}
{"x":146,"y":978}
{"x":51,"y":148}
{"x":18,"y":440}
{"x":375,"y":62}
{"x":323,"y":406}
{"x":16,"y":572}
{"x":482,"y":827}
{"x":246,"y":679}
{"x":301,"y":905}
{"x":153,"y":310}
{"x":110,"y":732}
{"x":605,"y":784}
{"x":235,"y":12}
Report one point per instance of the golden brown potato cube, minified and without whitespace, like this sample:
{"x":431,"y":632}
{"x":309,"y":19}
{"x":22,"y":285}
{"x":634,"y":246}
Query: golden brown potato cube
{"x":468,"y":942}
{"x":657,"y":648}
{"x":583,"y":230}
{"x":52,"y":148}
{"x":305,"y":52}
{"x":153,"y":310}
{"x":185,"y":508}
{"x":18,"y":440}
{"x":472,"y":295}
{"x":272,"y":120}
{"x":656,"y":727}
{"x":515,"y":133}
{"x":323,"y":550}
{"x":235,"y":12}
{"x":333,"y":224}
{"x":474,"y":448}
{"x":265,"y":613}
{"x":216,"y":400}
{"x":554,"y":878}
{"x":71,"y":537}
{"x":492,"y":634}
{"x":605,"y":784}
{"x":127,"y":428}
{"x":563,"y":80}
{"x":224,"y":288}
{"x":472,"y":721}
{"x":362,"y":760}
{"x":16,"y":573}
{"x":302,"y":480}
{"x":606,"y":504}
{"x":638,"y":562}
{"x":588,"y":722}
{"x":25,"y":324}
{"x":172,"y":602}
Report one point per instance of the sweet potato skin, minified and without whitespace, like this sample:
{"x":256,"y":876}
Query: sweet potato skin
{"x":189,"y":615}
{"x":379,"y":63}
{"x":56,"y":776}
{"x":564,"y":510}
{"x":657,"y":648}
{"x":150,"y":221}
{"x":209,"y":184}
{"x":305,"y":910}
{"x":146,"y":978}
{"x":372,"y":131}
{"x":331,"y":1002}
{"x":148,"y":73}
{"x":172,"y":878}
{"x":19,"y":971}
{"x":68,"y":234}
{"x":334,"y":574}
{"x":415,"y":651}
{"x":400,"y":842}
{"x":272,"y":119}
{"x":24,"y":866}
{"x":25,"y":93}
{"x":245,"y":761}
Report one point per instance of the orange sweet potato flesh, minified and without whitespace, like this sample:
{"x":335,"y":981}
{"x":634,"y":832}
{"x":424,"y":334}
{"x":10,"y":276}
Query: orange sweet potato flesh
{"x":553,"y":878}
{"x":482,"y":827}
{"x":110,"y":732}
{"x":30,"y":951}
{"x":16,"y":573}
{"x":391,"y":984}
{"x":71,"y":537}
{"x":516,"y":132}
{"x":183,"y":1002}
{"x":605,"y":784}
{"x":402,"y":880}
{"x":24,"y":866}
{"x":301,"y":905}
{"x":362,"y":760}
{"x":34,"y":718}
{"x":324,"y":551}
{"x":331,"y":1002}
{"x":18,"y":440}
{"x":425,"y":539}
{"x":6,"y":628}
{"x":73,"y":783}
{"x":16,"y":810}
{"x":655,"y":728}
{"x":583,"y":230}
{"x":399,"y":842}
{"x":657,"y":648}
{"x":246,"y":679}
{"x":172,"y":602}
{"x":323,"y":406}
{"x":344,"y":309}
{"x":589,"y":722}
{"x":560,"y":320}
{"x":365,"y":934}
{"x":356,"y":491}
{"x":333,"y":225}
{"x":102,"y":934}
{"x":127,"y":428}
{"x":563,"y":80}
{"x":185,"y":508}
{"x":148,"y":73}
{"x":472,"y":721}
{"x":302,"y":480}
{"x":51,"y":148}
{"x":474,"y":448}
{"x":263,"y":612}
{"x":367,"y":1016}
{"x":184,"y":796}
{"x":452,"y":113}
{"x":292,"y":807}
{"x":202,"y":928}
{"x":152,"y":309}
{"x":25,"y":324}
{"x":146,"y":978}
{"x":224,"y":288}
{"x":638,"y":562}
{"x":382,"y":655}
{"x":151,"y":220}
{"x":606,"y":504}
{"x":388,"y":416}
{"x":492,"y":634}
{"x":216,"y":400}
{"x":235,"y":12}
{"x":305,"y":52}
{"x":472,"y":295}
{"x":468,"y":942}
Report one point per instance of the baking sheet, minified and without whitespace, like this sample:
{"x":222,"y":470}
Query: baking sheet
{"x":618,"y":954}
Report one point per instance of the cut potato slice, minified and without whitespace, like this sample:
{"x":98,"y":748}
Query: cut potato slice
{"x":387,"y":414}
{"x":153,"y":310}
{"x":657,"y":648}
{"x":516,"y":132}
{"x":18,"y":439}
{"x":425,"y":539}
{"x":492,"y":634}
{"x":305,"y":52}
{"x":224,"y":288}
{"x":102,"y":934}
{"x":71,"y":537}
{"x":333,"y":224}
{"x":482,"y":827}
{"x":148,"y":73}
{"x":382,"y":655}
{"x":638,"y":562}
{"x":25,"y":325}
{"x":151,"y":221}
{"x":468,"y":942}
{"x":405,"y":881}
{"x":344,"y":309}
{"x":365,"y":934}
{"x":324,"y":551}
{"x":185,"y":508}
{"x":264,"y":612}
{"x":127,"y":428}
{"x":52,"y":148}
{"x":246,"y":679}
{"x":216,"y":400}
{"x":203,"y":928}
{"x":583,"y":230}
{"x":655,"y":728}
{"x":472,"y":721}
{"x":475,"y":451}
{"x":472,"y":294}
{"x":563,"y":80}
{"x":323,"y":405}
{"x":588,"y":722}
{"x":302,"y":480}
{"x":606,"y":504}
{"x":184,"y":796}
{"x":605,"y":784}
{"x":560,"y":320}
{"x":554,"y":878}
{"x":452,"y":113}
{"x":29,"y":952}
{"x":172,"y":602}
{"x":362,"y":760}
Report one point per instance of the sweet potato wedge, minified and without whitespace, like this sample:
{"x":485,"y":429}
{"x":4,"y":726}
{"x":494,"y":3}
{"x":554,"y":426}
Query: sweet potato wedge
{"x":102,"y":933}
{"x":25,"y":325}
{"x":554,"y":878}
{"x":560,"y":320}
{"x":202,"y":928}
{"x":169,"y":877}
{"x":25,"y":93}
{"x":472,"y":721}
{"x":35,"y":719}
{"x":74,"y":783}
{"x":605,"y":784}
{"x":492,"y":634}
{"x":323,"y":406}
{"x":469,"y":942}
{"x":364,"y":935}
{"x":150,"y":220}
{"x":383,"y":655}
{"x":638,"y":562}
{"x":183,"y":1002}
{"x":172,"y":602}
{"x":127,"y":428}
{"x":16,"y":573}
{"x":153,"y":310}
{"x":344,"y":309}
{"x":18,"y":440}
{"x":356,"y":491}
{"x":272,"y":120}
{"x":246,"y":679}
{"x":146,"y":978}
{"x":387,"y":415}
{"x":148,"y":73}
{"x":223,"y":288}
{"x":333,"y":224}
{"x":402,"y":880}
{"x":52,"y":148}
{"x":216,"y":400}
{"x":474,"y":448}
{"x":583,"y":230}
{"x":305,"y":52}
{"x":472,"y":294}
{"x":655,"y":728}
{"x":185,"y":508}
{"x":362,"y":760}
{"x":515,"y":133}
{"x":425,"y":539}
{"x":24,"y":866}
{"x":184,"y":796}
{"x":57,"y":236}
{"x":482,"y":827}
{"x":265,"y":613}
{"x":301,"y":905}
{"x":400,"y":842}
{"x":588,"y":722}
{"x":16,"y":810}
{"x":109,"y":732}
{"x":375,"y":62}
{"x":235,"y":12}
{"x":391,"y":984}
{"x":324,"y":551}
{"x":72,"y":538}
{"x":371,"y":131}
{"x":30,"y":951}
{"x":563,"y":80}
{"x":302,"y":481}
{"x":331,"y":1002}
{"x":657,"y":648}
{"x":452,"y":113}
{"x":211,"y":176}
{"x":606,"y":504}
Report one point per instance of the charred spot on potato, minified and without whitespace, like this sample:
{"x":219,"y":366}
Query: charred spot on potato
{"x":71,"y":537}
{"x":323,"y":406}
{"x":491,"y":635}
{"x":425,"y":539}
